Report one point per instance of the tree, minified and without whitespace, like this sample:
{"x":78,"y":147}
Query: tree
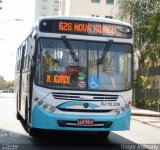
{"x":144,"y":15}
{"x":1,"y":78}
{"x":5,"y":85}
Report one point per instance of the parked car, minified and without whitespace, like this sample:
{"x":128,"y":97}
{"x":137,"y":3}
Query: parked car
{"x":4,"y":91}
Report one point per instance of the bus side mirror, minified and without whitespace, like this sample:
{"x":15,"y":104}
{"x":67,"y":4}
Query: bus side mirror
{"x":30,"y":50}
{"x":30,"y":47}
{"x":33,"y":47}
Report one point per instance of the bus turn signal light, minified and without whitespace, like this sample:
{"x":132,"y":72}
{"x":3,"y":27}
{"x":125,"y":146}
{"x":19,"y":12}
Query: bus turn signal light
{"x":36,"y":99}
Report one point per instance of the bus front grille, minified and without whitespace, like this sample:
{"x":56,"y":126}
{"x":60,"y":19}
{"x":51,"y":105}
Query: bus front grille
{"x":84,"y":96}
{"x":86,"y":110}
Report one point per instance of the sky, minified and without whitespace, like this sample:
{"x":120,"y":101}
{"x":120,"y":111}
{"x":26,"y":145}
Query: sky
{"x":12,"y":32}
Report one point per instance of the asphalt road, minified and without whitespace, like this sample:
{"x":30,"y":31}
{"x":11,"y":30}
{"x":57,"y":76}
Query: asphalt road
{"x":14,"y":137}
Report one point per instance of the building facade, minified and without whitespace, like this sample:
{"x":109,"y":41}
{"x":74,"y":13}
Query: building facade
{"x":95,"y":8}
{"x":46,"y":8}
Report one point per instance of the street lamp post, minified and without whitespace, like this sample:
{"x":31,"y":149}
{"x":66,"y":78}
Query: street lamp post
{"x":10,"y":20}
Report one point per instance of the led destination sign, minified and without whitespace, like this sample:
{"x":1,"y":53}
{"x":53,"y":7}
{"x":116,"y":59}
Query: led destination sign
{"x":85,"y":28}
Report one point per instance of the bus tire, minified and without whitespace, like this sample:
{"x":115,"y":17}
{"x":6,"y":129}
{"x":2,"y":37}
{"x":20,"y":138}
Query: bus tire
{"x":31,"y":131}
{"x":103,"y":134}
{"x":26,"y":113}
{"x":18,"y":116}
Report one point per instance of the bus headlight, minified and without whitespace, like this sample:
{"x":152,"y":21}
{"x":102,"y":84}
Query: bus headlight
{"x":40,"y":102}
{"x":45,"y":106}
{"x":122,"y":109}
{"x":127,"y":106}
{"x":117,"y":111}
{"x":52,"y":109}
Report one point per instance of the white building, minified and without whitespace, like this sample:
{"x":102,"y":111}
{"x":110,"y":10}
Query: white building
{"x":96,"y":8}
{"x":46,"y":8}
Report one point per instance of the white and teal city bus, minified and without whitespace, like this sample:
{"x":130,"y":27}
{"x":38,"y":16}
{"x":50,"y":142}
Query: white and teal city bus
{"x":75,"y":73}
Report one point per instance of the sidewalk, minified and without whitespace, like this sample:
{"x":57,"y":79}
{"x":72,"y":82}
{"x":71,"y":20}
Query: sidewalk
{"x":146,"y":116}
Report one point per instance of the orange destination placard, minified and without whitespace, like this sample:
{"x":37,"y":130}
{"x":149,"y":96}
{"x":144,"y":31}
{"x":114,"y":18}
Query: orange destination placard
{"x":58,"y":79}
{"x":104,"y":29}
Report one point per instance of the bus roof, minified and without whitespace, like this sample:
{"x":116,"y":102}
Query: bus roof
{"x":85,"y":18}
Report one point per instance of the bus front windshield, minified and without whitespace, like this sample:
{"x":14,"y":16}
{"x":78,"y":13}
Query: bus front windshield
{"x":57,"y":68}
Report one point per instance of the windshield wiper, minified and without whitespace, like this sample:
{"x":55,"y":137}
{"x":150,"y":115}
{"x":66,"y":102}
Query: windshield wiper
{"x":72,"y":52}
{"x":104,"y":53}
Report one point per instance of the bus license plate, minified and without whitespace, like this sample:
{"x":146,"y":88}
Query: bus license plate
{"x":85,"y":122}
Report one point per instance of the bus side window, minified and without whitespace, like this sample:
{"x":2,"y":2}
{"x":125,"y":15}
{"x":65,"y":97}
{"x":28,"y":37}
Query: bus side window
{"x":29,"y":63}
{"x":19,"y":65}
{"x":24,"y":63}
{"x":23,"y":57}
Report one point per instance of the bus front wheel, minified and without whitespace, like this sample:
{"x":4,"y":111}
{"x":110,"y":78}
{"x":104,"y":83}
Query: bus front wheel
{"x":18,"y":116}
{"x":29,"y":129}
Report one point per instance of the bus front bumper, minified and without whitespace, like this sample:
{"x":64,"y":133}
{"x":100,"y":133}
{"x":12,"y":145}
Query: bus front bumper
{"x":42,"y":119}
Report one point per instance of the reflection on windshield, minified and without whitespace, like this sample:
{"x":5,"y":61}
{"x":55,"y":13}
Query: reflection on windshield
{"x":56,"y":67}
{"x":115,"y":71}
{"x":104,"y":53}
{"x":73,"y":54}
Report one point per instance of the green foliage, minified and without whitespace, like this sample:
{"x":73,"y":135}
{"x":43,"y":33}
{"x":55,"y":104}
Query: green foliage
{"x":143,"y":82}
{"x":144,"y":15}
{"x":6,"y":85}
{"x":139,"y":102}
{"x":149,"y":102}
{"x":158,"y":102}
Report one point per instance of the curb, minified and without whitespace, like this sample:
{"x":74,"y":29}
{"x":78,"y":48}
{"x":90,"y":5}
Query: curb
{"x":145,"y":122}
{"x":145,"y":114}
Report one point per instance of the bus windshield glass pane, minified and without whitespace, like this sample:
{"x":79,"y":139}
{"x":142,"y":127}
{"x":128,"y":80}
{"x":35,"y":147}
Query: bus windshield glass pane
{"x":56,"y":68}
